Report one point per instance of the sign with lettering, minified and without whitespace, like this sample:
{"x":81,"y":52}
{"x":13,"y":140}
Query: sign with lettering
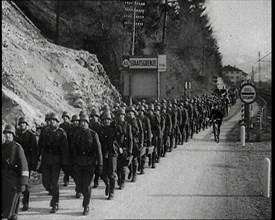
{"x":140,"y":62}
{"x":161,"y":63}
{"x":248,"y":93}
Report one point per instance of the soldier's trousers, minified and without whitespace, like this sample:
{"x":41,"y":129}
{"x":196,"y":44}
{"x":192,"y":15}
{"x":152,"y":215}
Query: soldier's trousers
{"x":50,"y":176}
{"x":109,"y":172}
{"x":133,"y":167}
{"x":155,"y":143}
{"x":141,"y":161}
{"x":83,"y":176}
{"x":122,"y":164}
{"x":26,"y":195}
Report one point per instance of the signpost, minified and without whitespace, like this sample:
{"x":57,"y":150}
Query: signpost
{"x":248,"y":95}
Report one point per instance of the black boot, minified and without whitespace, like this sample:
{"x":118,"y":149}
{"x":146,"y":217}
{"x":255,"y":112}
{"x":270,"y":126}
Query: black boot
{"x":54,"y":208}
{"x":26,"y":196}
{"x":112,"y":189}
{"x":86,"y":210}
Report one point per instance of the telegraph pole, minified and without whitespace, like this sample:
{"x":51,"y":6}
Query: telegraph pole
{"x":260,"y":70}
{"x":134,"y":17}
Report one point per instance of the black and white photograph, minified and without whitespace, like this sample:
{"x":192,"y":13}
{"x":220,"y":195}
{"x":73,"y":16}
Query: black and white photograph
{"x":138,"y":109}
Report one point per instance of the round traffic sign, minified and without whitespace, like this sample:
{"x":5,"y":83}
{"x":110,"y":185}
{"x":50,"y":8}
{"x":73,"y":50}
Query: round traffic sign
{"x":248,"y":93}
{"x":126,"y":63}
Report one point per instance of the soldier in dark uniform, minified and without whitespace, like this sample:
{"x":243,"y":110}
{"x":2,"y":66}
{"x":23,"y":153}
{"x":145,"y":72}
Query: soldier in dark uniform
{"x":109,"y":152}
{"x":26,"y":138}
{"x":15,"y":174}
{"x":138,"y":139}
{"x":66,"y":126}
{"x":55,"y":155}
{"x":167,"y":130}
{"x":147,"y":133}
{"x":96,"y":126}
{"x":124,"y":141}
{"x":185,"y":123}
{"x":86,"y":150}
{"x":71,"y":136}
{"x":161,"y":118}
{"x":156,"y":132}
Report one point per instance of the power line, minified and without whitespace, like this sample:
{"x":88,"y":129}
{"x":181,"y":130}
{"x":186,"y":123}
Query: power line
{"x":263,"y":57}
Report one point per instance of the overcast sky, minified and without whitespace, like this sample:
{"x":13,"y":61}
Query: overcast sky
{"x":242,"y":29}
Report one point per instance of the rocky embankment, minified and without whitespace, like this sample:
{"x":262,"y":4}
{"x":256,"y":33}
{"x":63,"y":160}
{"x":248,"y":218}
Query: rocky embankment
{"x":39,"y":76}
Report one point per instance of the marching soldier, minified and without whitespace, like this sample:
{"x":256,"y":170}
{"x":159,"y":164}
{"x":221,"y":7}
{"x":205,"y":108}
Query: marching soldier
{"x":185,"y":122}
{"x":109,"y":152}
{"x":96,"y":126}
{"x":66,"y":126}
{"x":86,"y":150}
{"x":15,"y":174}
{"x":167,"y":130}
{"x":156,"y":132}
{"x":55,"y":155}
{"x":147,"y":133}
{"x":161,"y":118}
{"x":124,"y":140}
{"x":138,"y":139}
{"x":26,"y":138}
{"x":71,"y":136}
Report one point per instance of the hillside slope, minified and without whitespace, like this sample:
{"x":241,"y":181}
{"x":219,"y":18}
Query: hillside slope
{"x":38,"y":76}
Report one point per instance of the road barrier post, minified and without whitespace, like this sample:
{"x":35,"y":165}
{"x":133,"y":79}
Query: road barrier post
{"x":265,"y":183}
{"x":259,"y":125}
{"x":243,"y":135}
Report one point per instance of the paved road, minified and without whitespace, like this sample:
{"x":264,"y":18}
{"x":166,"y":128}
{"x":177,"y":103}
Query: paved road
{"x":192,"y":182}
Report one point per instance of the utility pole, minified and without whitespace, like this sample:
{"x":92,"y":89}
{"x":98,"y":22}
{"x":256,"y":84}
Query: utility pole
{"x":252,"y":75}
{"x":164,"y":21}
{"x":134,"y":22}
{"x":260,"y":70}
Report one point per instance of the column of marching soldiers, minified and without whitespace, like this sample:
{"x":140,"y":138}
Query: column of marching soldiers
{"x":107,"y":143}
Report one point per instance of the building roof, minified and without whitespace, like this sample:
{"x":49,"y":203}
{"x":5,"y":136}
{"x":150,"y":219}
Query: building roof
{"x":231,"y":68}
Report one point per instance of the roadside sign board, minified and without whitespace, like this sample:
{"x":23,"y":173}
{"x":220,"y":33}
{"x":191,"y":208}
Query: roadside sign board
{"x":140,"y":62}
{"x":248,"y":93}
{"x":161,"y":63}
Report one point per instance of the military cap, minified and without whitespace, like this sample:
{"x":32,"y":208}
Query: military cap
{"x":23,"y":119}
{"x":157,"y":108}
{"x":131,"y":109}
{"x":94,"y":112}
{"x":106,"y":115}
{"x":84,"y":117}
{"x":141,"y":108}
{"x":65,"y":114}
{"x":145,"y":106}
{"x":75,"y":118}
{"x":53,"y":116}
{"x":82,"y":113}
{"x":105,"y":107}
{"x":151,"y":107}
{"x":120,"y":111}
{"x":47,"y":116}
{"x":9,"y":129}
{"x":163,"y":106}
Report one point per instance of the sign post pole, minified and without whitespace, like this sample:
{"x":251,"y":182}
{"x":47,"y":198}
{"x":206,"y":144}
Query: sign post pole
{"x":248,"y":95}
